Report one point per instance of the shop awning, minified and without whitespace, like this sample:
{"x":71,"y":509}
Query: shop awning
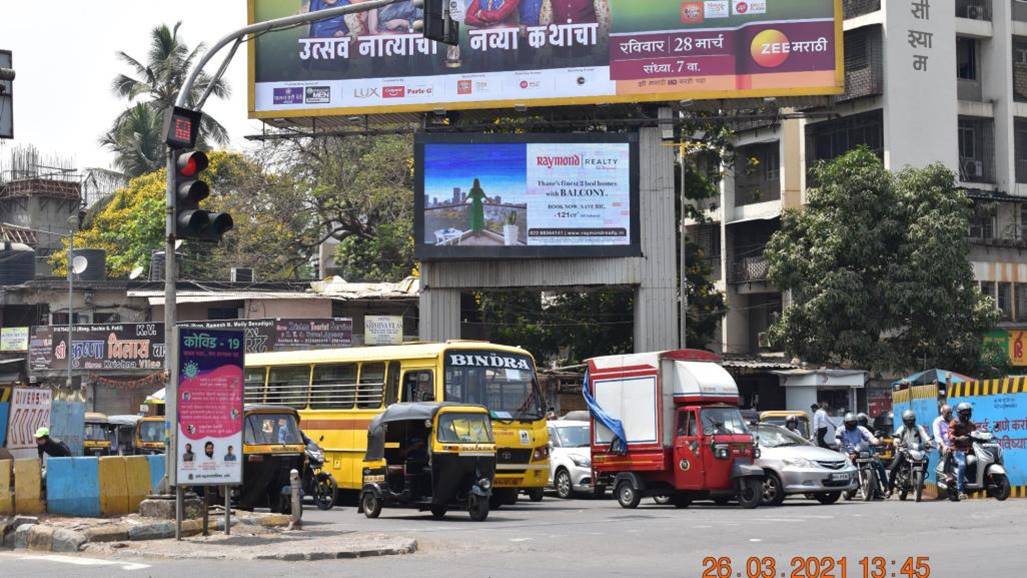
{"x":849,"y":378}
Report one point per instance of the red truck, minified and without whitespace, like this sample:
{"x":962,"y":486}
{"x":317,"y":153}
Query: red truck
{"x":667,"y":424}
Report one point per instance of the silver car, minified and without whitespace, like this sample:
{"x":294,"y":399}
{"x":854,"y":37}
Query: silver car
{"x":793,"y":465}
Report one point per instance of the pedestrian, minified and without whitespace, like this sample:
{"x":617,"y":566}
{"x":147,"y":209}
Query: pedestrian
{"x":52,"y":447}
{"x":820,"y":424}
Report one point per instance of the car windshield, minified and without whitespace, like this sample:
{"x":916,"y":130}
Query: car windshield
{"x":502,"y":382}
{"x":572,"y":436}
{"x":272,"y":429}
{"x":777,"y":437}
{"x":463,"y":428}
{"x":151,"y":431}
{"x":723,"y":420}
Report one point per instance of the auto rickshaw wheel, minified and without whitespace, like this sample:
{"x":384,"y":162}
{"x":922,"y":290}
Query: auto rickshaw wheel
{"x":438,"y":512}
{"x":478,"y":508}
{"x":371,"y":504}
{"x":324,"y":491}
{"x":750,"y":492}
{"x":627,"y":496}
{"x":536,"y":494}
{"x":681,"y":500}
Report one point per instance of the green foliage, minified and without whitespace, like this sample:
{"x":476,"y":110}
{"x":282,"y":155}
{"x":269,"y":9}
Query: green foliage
{"x":994,"y":360}
{"x":878,"y":271}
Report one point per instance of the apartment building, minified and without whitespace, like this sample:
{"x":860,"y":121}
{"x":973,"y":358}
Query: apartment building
{"x":926,"y":81}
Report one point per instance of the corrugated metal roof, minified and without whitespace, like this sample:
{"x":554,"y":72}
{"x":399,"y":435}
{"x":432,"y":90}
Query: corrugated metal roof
{"x":757,"y":363}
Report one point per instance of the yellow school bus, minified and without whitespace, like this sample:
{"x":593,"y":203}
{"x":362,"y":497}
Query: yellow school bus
{"x":338,"y":391}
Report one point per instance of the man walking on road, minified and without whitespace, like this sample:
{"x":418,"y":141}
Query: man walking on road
{"x":820,"y":424}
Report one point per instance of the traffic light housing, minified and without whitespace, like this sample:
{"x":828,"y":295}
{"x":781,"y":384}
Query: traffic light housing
{"x":192,"y":222}
{"x":436,"y":23}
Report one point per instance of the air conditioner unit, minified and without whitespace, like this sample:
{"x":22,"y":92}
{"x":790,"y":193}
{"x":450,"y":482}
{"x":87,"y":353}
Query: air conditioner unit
{"x":975,"y":12}
{"x":973,"y":169}
{"x":242,"y":275}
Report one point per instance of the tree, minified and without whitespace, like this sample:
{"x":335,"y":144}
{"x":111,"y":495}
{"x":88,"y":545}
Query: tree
{"x":877,"y":268}
{"x":270,"y":234}
{"x":135,"y":136}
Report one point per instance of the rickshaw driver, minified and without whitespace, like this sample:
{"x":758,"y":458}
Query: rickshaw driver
{"x":414,"y":463}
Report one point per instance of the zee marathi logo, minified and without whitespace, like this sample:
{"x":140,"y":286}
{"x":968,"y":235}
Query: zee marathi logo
{"x":771,"y":48}
{"x":564,"y":161}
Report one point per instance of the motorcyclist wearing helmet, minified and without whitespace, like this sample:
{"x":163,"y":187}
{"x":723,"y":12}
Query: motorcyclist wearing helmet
{"x":959,"y":437}
{"x":853,"y":438}
{"x":908,"y":434}
{"x":863,"y":420}
{"x":792,"y":425}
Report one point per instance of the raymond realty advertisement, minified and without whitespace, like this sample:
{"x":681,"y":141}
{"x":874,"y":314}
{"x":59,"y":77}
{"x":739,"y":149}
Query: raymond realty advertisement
{"x":542,"y":53}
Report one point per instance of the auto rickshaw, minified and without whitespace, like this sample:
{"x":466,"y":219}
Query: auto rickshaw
{"x":98,"y":437}
{"x":149,"y":436}
{"x":883,"y":428}
{"x":429,"y":456}
{"x":779,"y":417}
{"x":272,"y":446}
{"x":123,"y":428}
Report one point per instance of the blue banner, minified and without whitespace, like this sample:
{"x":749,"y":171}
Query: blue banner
{"x":68,"y":423}
{"x":619,"y":444}
{"x":5,"y":409}
{"x":1005,"y":415}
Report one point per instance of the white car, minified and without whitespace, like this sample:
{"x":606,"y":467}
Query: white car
{"x":570,"y":457}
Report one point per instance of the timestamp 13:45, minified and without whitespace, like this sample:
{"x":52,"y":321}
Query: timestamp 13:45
{"x":816,"y":567}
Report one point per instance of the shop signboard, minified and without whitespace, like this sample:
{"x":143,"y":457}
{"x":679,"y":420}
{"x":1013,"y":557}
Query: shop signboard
{"x":383,"y":329}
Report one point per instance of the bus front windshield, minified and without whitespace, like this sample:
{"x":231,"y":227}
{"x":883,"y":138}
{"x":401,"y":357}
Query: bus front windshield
{"x":502,"y":382}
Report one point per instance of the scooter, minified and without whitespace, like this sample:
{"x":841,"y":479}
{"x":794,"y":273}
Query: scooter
{"x":317,"y":482}
{"x":910,"y":477}
{"x":984,"y":469}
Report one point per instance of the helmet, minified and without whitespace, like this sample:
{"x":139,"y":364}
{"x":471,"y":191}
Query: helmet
{"x":864,"y":419}
{"x":791,"y":420}
{"x":42,"y":432}
{"x":850,"y":420}
{"x":965,"y":410}
{"x":909,"y":417}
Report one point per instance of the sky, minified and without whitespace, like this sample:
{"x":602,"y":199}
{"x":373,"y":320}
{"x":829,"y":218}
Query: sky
{"x":65,"y":60}
{"x":501,"y":168}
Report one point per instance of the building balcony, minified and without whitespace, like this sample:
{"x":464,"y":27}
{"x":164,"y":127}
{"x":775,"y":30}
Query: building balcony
{"x":974,"y":9}
{"x":1010,"y":236}
{"x":853,"y":8}
{"x":867,"y":81}
{"x":749,"y":270}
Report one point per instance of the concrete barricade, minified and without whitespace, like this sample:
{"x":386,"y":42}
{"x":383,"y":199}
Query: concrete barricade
{"x":73,"y":486}
{"x":113,"y":486}
{"x":6,"y":488}
{"x":137,"y":480}
{"x":28,"y":487}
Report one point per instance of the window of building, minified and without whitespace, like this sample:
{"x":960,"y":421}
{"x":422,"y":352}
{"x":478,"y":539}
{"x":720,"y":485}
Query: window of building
{"x":982,"y":223}
{"x":80,"y":318}
{"x":223,"y":313}
{"x":967,"y":141}
{"x":1021,"y":302}
{"x":105,"y":317}
{"x":966,"y":58}
{"x":1019,"y":53}
{"x":830,"y":139}
{"x":988,"y":288}
{"x":856,"y":53}
{"x":1004,"y":302}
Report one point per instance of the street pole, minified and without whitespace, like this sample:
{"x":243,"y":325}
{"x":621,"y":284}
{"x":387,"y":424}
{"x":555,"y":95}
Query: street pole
{"x":170,"y":278}
{"x":683,"y":288}
{"x":71,"y":296}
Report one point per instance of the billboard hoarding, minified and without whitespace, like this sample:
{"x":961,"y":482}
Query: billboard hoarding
{"x":526,"y":196}
{"x":30,"y":410}
{"x":546,"y":54}
{"x":210,"y":406}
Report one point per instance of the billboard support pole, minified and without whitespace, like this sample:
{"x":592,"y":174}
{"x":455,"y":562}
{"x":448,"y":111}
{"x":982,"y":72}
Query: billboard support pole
{"x":682,"y":240}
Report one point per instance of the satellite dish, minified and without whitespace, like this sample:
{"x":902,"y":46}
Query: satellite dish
{"x":136,"y":272}
{"x":178,"y":244}
{"x":79,"y":264}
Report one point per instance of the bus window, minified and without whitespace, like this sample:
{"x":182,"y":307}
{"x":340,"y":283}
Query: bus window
{"x":502,"y":382}
{"x":392,"y":384}
{"x":372,"y":382}
{"x":335,"y":386}
{"x":419,"y":385}
{"x":254,"y":384}
{"x":289,"y":386}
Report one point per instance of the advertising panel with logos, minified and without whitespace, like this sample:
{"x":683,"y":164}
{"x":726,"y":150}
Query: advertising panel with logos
{"x":495,"y":196}
{"x":544,"y":52}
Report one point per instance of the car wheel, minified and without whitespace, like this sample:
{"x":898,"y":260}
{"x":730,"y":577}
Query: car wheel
{"x":773,"y":490}
{"x":564,"y":489}
{"x":627,"y":496}
{"x":828,"y":498}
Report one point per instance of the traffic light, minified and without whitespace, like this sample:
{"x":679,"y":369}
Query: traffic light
{"x":436,"y":22}
{"x":192,"y":222}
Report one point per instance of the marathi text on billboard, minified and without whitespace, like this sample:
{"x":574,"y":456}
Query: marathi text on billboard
{"x":538,"y":52}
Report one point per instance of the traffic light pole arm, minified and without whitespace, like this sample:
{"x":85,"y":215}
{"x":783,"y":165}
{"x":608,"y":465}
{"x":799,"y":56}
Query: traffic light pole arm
{"x":260,"y":28}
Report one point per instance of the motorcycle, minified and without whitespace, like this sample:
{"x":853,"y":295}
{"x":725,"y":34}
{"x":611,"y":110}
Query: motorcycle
{"x":317,"y":482}
{"x":869,"y":484}
{"x":984,"y":469}
{"x":910,"y":477}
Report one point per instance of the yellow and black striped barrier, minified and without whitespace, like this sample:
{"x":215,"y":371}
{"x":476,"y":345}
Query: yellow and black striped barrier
{"x":1003,"y":386}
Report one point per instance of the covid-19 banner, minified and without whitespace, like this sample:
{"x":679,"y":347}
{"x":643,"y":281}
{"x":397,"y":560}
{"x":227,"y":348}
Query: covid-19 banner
{"x":543,"y":52}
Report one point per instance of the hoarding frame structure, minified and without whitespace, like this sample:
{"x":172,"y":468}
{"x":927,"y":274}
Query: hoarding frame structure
{"x":425,"y":252}
{"x":508,"y":103}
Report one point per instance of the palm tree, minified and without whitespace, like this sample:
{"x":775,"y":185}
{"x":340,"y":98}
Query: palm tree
{"x":136,"y":134}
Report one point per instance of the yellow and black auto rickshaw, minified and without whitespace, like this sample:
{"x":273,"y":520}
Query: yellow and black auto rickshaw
{"x":98,"y":437}
{"x":149,"y":436}
{"x":123,"y":429}
{"x":429,"y":456}
{"x":780,"y":417}
{"x":272,"y":445}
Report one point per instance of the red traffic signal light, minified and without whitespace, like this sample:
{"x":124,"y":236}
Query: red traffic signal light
{"x":192,"y":222}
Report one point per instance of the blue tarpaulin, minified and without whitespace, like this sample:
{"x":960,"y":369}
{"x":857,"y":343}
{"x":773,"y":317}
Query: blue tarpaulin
{"x":68,"y":423}
{"x":619,"y":443}
{"x":5,"y":408}
{"x":933,"y":376}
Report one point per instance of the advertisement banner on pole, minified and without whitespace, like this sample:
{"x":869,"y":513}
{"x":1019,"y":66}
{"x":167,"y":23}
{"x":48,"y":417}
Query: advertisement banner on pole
{"x":543,"y":53}
{"x":383,"y":329}
{"x":210,"y":407}
{"x":30,"y":410}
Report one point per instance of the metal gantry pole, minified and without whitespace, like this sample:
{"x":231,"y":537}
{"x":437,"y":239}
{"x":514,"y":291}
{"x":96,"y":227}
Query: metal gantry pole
{"x":71,"y":296}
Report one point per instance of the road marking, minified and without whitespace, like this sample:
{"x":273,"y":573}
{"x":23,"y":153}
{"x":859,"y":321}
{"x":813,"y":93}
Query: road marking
{"x":77,"y":561}
{"x":755,"y":540}
{"x":519,"y":539}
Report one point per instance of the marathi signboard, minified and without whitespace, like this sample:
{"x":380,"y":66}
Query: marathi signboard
{"x":383,"y":329}
{"x":14,"y":339}
{"x":542,"y":53}
{"x":140,"y":346}
{"x":494,"y":196}
{"x":30,"y":410}
{"x":210,"y":407}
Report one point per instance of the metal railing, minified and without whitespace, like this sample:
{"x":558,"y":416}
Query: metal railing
{"x":973,"y":9}
{"x":750,"y":270}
